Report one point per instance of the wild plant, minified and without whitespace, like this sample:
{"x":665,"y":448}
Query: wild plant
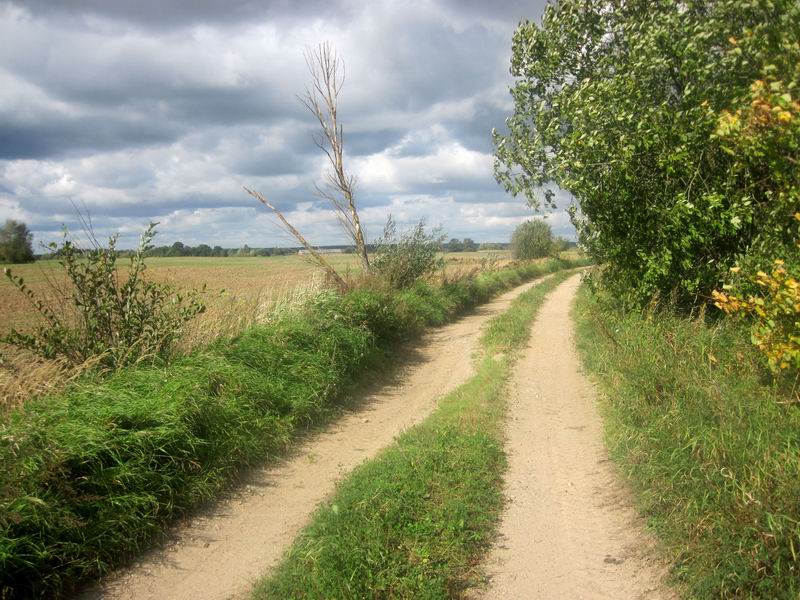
{"x":105,"y":317}
{"x":404,"y":259}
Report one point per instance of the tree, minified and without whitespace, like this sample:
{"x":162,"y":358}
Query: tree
{"x":16,"y":242}
{"x":470,"y":245}
{"x":454,"y":245}
{"x":628,"y":105}
{"x":321,"y":98}
{"x":177,"y":249}
{"x":532,"y":239}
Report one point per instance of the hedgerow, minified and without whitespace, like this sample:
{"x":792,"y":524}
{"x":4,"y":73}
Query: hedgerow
{"x":91,"y":475}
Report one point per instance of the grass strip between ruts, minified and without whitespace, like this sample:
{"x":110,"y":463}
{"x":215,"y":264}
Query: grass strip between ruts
{"x":414,"y":521}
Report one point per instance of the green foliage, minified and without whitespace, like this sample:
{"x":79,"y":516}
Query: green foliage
{"x":712,"y":452}
{"x":454,"y":245}
{"x":628,"y":104}
{"x":115,"y":321}
{"x":404,"y":259}
{"x":16,"y":242}
{"x":411,"y":523}
{"x":532,"y":239}
{"x":89,"y":476}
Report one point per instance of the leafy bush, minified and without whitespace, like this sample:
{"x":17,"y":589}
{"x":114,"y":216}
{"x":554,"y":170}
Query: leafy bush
{"x":532,"y":239}
{"x":775,"y":313}
{"x":621,"y":104}
{"x":402,"y":260}
{"x":114,"y":320}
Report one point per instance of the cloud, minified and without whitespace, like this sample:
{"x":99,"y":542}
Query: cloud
{"x":162,"y":111}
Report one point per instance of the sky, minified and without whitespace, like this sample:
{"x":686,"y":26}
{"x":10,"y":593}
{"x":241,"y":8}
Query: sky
{"x":162,"y":110}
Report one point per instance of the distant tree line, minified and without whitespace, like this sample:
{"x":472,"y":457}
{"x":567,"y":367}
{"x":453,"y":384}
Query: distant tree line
{"x":16,"y":247}
{"x":181,"y":249}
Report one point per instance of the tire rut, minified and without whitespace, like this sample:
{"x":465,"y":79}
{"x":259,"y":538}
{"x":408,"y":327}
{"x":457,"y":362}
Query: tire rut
{"x":569,"y":530}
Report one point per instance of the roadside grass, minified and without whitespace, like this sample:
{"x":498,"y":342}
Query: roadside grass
{"x":241,"y":292}
{"x":414,"y":521}
{"x":709,"y":445}
{"x":92,"y":474}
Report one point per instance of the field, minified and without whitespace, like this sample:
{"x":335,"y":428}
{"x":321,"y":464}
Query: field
{"x":240,"y":291}
{"x":254,"y":281}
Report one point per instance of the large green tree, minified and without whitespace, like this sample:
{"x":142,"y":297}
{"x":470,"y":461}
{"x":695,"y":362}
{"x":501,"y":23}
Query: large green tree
{"x":16,"y":242}
{"x":625,"y":102}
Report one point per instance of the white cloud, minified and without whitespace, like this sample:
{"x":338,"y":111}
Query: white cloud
{"x":136,"y":118}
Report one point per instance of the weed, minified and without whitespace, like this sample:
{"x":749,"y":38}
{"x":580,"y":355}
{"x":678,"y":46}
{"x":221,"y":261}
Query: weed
{"x":110,"y":321}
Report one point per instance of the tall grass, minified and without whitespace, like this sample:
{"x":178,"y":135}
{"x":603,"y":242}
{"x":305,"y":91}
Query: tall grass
{"x":90,"y":475}
{"x":711,"y":447}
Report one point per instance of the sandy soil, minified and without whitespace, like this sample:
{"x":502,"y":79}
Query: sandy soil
{"x":569,"y":530}
{"x":222,"y":551}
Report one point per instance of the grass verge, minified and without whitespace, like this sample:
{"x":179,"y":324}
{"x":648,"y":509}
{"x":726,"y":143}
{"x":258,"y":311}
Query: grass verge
{"x":90,"y":475}
{"x":710,"y":447}
{"x":412,"y":522}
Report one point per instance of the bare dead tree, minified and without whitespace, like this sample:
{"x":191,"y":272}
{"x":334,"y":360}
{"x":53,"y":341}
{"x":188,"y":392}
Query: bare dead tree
{"x":321,"y":97}
{"x":317,"y":257}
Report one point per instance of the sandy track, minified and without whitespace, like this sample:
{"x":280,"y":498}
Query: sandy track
{"x":569,"y":530}
{"x":223,"y":550}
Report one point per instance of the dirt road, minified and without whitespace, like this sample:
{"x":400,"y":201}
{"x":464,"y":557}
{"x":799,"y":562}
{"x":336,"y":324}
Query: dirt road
{"x":569,"y":531}
{"x":222,"y":552}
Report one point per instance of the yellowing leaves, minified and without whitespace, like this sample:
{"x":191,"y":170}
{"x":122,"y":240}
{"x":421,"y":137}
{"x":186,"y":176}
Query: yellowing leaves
{"x":776,"y":314}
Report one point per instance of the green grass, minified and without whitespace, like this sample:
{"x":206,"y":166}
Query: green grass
{"x":413,"y":522}
{"x":709,"y":445}
{"x":91,"y":475}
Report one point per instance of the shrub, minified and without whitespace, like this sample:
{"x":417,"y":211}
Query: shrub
{"x":776,"y":315}
{"x":113,"y":320}
{"x":532,"y":239}
{"x":403,"y":260}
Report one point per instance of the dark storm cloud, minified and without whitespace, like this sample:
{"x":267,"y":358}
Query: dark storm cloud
{"x":476,"y":132}
{"x":49,"y":135}
{"x":159,"y":14}
{"x":509,"y":11}
{"x":360,"y":143}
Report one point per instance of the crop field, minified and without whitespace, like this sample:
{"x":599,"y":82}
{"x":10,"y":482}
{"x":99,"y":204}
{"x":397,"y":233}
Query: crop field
{"x":240,"y":291}
{"x":243,"y":281}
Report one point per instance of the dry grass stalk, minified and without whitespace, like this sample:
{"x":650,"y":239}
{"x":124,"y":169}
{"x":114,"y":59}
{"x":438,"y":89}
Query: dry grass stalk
{"x":24,"y":376}
{"x":324,"y":264}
